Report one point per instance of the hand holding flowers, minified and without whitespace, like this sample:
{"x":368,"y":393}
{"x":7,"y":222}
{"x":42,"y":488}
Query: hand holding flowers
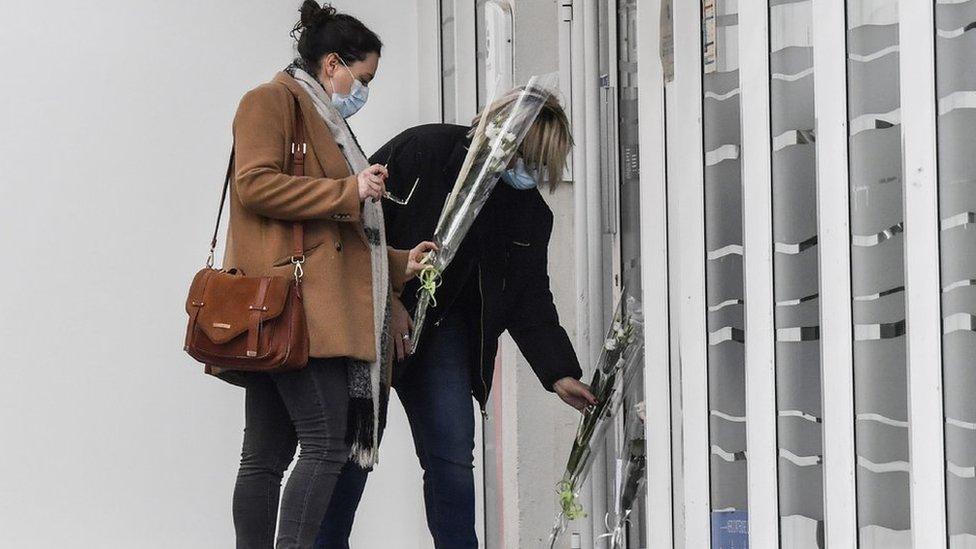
{"x":417,"y":260}
{"x":575,"y":393}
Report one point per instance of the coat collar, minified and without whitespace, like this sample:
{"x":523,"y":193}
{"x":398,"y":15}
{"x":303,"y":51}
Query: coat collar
{"x":321,"y":140}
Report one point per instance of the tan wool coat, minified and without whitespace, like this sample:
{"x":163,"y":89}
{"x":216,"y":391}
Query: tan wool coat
{"x":265,"y":200}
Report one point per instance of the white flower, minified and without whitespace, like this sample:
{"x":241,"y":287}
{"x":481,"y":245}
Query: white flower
{"x":610,"y":344}
{"x":641,"y":410}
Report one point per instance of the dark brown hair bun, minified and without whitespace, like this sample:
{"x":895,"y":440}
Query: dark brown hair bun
{"x":322,"y":30}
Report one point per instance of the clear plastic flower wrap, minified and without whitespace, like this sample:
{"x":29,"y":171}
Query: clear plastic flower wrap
{"x":500,"y":131}
{"x":619,"y":361}
{"x":631,"y":483}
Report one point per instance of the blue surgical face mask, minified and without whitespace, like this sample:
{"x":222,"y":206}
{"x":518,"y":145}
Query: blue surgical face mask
{"x":520,"y":177}
{"x":348,"y":105}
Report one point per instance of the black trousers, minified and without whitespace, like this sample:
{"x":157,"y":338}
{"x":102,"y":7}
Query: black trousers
{"x":306,"y":407}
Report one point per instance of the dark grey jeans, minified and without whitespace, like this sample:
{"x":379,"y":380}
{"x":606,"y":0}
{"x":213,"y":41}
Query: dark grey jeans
{"x":306,"y":407}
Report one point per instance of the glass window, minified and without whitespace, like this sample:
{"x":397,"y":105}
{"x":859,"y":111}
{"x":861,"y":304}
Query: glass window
{"x":448,"y":73}
{"x":723,"y":271}
{"x":878,"y":275}
{"x":628,"y":163}
{"x":956,"y":93}
{"x":481,"y":52}
{"x":796,"y":280}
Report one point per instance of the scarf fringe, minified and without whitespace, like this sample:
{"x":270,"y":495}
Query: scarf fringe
{"x":360,"y":432}
{"x":365,"y":457}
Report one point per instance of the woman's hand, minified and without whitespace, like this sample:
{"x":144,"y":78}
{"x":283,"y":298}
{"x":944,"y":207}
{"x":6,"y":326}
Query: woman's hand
{"x":415,"y":259}
{"x":372,"y":182}
{"x":574,"y":392}
{"x":400,"y":327}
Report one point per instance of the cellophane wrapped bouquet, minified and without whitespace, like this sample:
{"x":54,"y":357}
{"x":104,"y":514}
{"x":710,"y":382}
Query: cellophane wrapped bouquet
{"x":501,"y":128}
{"x":619,"y":361}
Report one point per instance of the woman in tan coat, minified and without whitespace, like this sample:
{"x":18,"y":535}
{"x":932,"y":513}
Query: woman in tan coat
{"x":335,"y":406}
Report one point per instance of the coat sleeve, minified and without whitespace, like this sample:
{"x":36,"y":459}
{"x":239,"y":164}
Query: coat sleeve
{"x":261,"y":182}
{"x":534,"y":323}
{"x":398,"y":268}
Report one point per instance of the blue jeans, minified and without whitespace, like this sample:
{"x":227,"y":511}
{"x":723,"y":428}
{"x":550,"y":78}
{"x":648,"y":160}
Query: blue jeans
{"x":436,"y":394}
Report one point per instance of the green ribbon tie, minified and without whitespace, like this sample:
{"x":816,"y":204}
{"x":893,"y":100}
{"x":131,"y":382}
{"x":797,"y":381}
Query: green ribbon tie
{"x":567,"y":501}
{"x":430,"y":279}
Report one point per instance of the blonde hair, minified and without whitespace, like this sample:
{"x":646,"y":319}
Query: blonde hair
{"x":548,"y":141}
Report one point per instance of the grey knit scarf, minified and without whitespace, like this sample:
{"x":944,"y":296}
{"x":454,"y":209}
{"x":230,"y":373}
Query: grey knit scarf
{"x":368,"y":381}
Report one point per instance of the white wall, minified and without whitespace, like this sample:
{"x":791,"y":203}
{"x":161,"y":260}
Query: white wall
{"x":114,"y":130}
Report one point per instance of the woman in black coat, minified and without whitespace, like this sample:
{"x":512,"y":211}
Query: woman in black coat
{"x":497,"y":281}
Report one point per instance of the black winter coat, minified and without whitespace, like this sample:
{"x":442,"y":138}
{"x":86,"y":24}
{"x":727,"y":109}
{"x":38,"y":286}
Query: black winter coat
{"x":499,"y":278}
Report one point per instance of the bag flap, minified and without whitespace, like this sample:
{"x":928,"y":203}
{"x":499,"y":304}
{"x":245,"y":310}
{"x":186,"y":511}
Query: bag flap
{"x":226,"y":301}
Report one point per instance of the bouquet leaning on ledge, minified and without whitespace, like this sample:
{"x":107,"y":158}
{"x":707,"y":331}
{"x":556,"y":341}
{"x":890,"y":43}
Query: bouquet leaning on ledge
{"x":631,"y":483}
{"x":619,"y":360}
{"x":500,"y":131}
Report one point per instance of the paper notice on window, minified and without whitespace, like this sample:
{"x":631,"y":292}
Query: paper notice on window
{"x":709,"y":53}
{"x":667,"y":41}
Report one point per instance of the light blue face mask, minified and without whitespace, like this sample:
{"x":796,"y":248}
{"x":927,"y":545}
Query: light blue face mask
{"x":520,"y":177}
{"x":348,"y":105}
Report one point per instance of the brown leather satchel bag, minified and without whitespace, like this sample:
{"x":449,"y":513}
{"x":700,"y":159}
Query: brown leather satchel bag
{"x":248,"y":323}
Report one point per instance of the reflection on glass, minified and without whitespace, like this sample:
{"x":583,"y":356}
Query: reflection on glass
{"x":956,"y":92}
{"x":796,"y":281}
{"x":484,"y":87}
{"x":628,"y":132}
{"x":448,"y":73}
{"x":877,"y":275}
{"x":723,"y":271}
{"x":629,"y":138}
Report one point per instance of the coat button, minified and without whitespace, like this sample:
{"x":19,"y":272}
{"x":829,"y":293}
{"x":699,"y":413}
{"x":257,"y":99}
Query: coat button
{"x":338,"y":246}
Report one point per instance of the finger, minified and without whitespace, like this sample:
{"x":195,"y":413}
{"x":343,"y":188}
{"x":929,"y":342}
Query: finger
{"x":375,"y":190}
{"x":398,"y":343}
{"x":573,"y":400}
{"x":425,"y":247}
{"x":410,"y":324}
{"x":587,"y":396}
{"x":380,"y":169}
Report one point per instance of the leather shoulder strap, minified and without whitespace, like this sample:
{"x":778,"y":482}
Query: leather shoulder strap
{"x":299,"y":147}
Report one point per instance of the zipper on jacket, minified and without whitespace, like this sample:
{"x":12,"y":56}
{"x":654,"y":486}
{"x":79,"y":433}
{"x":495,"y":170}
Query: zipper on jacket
{"x":481,"y":353}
